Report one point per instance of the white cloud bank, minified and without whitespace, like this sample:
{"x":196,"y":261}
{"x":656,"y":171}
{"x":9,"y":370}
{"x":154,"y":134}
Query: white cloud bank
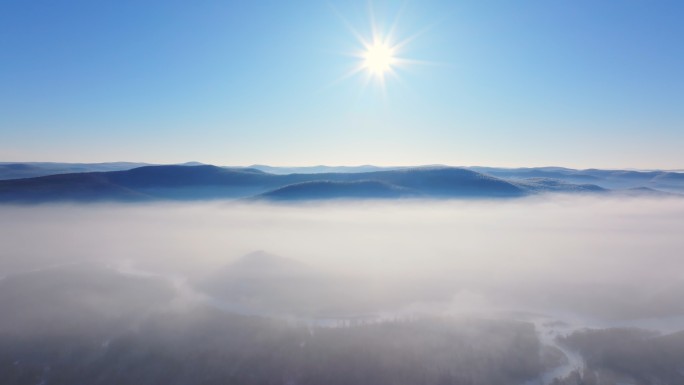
{"x":613,"y":258}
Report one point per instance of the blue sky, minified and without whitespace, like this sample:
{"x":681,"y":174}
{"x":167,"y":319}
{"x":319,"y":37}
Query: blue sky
{"x":499,"y":83}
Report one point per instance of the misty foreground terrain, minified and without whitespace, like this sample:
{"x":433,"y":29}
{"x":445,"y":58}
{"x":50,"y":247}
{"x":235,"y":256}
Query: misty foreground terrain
{"x":549,"y":289}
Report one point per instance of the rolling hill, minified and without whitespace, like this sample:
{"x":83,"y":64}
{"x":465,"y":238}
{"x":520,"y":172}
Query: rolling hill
{"x":17,"y":170}
{"x":671,"y":181}
{"x":200,"y":182}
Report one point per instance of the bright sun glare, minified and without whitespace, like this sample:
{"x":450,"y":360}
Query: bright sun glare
{"x":378,"y":58}
{"x":380,"y":54}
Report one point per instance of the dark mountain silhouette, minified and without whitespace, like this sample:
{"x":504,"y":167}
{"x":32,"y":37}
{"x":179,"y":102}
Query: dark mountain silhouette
{"x":335,"y":189}
{"x":430,"y":182}
{"x":646,"y":191}
{"x":181,"y":176}
{"x":143,"y":183}
{"x":187,"y":182}
{"x":538,"y":172}
{"x":610,"y":179}
{"x":449,"y":182}
{"x":557,"y":185}
{"x":35,"y":169}
{"x":85,"y":187}
{"x":207,"y":182}
{"x":321,"y":169}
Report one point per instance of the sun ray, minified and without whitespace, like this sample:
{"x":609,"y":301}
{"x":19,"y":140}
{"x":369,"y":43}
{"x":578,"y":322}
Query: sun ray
{"x":351,"y":73}
{"x":374,"y":26}
{"x":397,"y":18}
{"x":404,"y":62}
{"x":379,"y":53}
{"x":346,"y":23}
{"x":416,"y":35}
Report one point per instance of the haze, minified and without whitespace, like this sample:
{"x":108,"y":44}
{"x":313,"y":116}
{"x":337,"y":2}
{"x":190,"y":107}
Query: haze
{"x":506,"y":252}
{"x":519,"y":281}
{"x":341,"y":192}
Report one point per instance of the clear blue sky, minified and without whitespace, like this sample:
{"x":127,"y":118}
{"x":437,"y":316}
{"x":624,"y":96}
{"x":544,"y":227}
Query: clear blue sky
{"x":581,"y":83}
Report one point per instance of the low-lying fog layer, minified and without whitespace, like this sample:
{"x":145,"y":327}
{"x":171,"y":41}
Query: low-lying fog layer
{"x":522,"y":253}
{"x":558,"y":263}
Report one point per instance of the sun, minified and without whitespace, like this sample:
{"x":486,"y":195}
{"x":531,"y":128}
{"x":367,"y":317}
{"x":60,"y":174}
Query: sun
{"x":379,"y":53}
{"x":379,"y":58}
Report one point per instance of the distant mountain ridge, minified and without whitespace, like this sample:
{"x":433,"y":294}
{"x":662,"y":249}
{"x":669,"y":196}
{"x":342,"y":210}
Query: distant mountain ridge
{"x":336,"y":189}
{"x":20,"y":170}
{"x":211,"y":182}
{"x":672,"y":181}
{"x":192,"y":182}
{"x":321,"y":169}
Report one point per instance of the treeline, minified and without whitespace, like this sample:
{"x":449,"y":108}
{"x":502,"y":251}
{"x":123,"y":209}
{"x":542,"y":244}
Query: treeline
{"x":204,"y":346}
{"x":626,"y":356}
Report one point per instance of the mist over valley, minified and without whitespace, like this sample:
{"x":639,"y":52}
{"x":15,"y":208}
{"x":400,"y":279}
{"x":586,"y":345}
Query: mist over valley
{"x":110,"y":292}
